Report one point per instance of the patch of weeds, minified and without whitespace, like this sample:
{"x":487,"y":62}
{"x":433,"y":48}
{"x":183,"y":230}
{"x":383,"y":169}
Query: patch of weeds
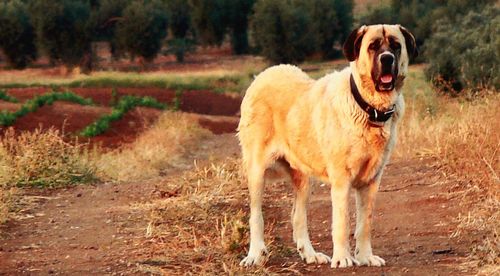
{"x":6,"y":97}
{"x":124,"y":105}
{"x":177,"y":100}
{"x":32,"y":105}
{"x":43,"y":159}
{"x":114,"y":96}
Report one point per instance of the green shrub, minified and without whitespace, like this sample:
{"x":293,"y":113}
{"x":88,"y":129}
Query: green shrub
{"x":420,"y":16}
{"x":124,"y":105}
{"x":210,"y":20}
{"x":62,"y":29}
{"x":345,"y":17}
{"x":380,"y":14}
{"x":6,"y":97}
{"x":17,"y":35}
{"x":288,"y":31}
{"x":238,"y":12}
{"x":332,"y":21}
{"x":142,"y":28}
{"x":179,"y":14}
{"x":32,"y":105}
{"x":283,"y":31}
{"x":103,"y":21}
{"x":465,"y":54}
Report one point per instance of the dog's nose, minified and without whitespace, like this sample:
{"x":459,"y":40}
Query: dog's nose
{"x":387,"y":59}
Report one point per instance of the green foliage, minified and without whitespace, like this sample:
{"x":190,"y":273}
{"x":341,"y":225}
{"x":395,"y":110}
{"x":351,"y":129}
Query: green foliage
{"x":380,"y":14}
{"x":179,"y":47}
{"x":142,"y":28}
{"x":103,"y":21}
{"x":283,"y":31}
{"x":62,"y":29}
{"x":419,"y":16}
{"x":17,"y":35}
{"x":332,"y":23}
{"x":238,"y":12}
{"x":6,"y":97}
{"x":471,"y":56}
{"x":345,"y":17}
{"x":32,"y":105}
{"x":288,"y":31}
{"x":210,"y":20}
{"x":179,"y":14}
{"x":124,"y":105}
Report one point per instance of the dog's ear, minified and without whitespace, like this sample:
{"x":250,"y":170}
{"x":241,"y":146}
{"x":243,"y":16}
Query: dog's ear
{"x":353,"y":43}
{"x":411,"y":45}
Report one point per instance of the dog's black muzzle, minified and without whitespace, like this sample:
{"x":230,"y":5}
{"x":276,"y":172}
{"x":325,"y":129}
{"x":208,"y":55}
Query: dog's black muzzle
{"x":385,"y":76}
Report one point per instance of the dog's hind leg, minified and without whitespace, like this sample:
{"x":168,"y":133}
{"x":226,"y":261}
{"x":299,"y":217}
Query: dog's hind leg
{"x":257,"y":252}
{"x":299,"y":220}
{"x":365,"y":198}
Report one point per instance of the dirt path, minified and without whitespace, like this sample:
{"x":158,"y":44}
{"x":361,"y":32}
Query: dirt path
{"x":97,"y":229}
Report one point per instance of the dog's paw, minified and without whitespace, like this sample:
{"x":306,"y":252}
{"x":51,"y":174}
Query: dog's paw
{"x":255,"y":258}
{"x":345,"y":260}
{"x":370,"y":260}
{"x":315,"y":258}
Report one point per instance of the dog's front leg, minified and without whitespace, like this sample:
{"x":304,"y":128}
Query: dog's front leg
{"x":365,"y":198}
{"x":340,"y":221}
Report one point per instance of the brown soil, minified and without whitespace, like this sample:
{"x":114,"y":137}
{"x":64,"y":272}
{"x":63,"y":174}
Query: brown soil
{"x":218,"y":112}
{"x":87,"y":230}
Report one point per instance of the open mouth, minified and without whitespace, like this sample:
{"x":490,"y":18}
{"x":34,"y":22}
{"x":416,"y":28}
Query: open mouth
{"x":386,"y":82}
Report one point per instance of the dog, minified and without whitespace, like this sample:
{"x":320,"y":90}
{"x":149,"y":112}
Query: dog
{"x":340,"y":129}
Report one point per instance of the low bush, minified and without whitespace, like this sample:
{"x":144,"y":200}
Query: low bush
{"x":124,"y":105}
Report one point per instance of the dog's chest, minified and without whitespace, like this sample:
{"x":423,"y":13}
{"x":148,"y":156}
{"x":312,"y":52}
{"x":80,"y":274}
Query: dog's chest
{"x":366,"y":158}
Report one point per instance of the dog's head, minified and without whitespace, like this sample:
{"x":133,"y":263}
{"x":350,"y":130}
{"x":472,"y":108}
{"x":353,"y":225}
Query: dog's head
{"x":381,"y":54}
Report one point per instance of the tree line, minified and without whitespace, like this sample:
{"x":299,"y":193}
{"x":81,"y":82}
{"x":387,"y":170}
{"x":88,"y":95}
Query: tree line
{"x":63,"y":30}
{"x":457,"y":38}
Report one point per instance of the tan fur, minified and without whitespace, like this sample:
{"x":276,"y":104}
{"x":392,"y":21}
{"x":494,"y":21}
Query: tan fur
{"x":318,"y":128}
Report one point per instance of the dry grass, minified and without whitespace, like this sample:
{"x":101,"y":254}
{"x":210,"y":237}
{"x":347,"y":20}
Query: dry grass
{"x":190,"y":230}
{"x":463,"y":135}
{"x":153,"y":152}
{"x":47,"y":159}
{"x":198,"y":227}
{"x":41,"y":159}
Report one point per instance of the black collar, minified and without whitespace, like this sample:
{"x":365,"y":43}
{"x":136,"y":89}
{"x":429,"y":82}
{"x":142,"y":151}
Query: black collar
{"x":374,"y":115}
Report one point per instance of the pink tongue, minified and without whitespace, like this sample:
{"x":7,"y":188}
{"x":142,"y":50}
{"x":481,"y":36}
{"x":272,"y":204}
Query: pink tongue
{"x":386,"y":79}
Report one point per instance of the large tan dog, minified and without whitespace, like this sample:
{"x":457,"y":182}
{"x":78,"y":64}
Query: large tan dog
{"x":340,"y":128}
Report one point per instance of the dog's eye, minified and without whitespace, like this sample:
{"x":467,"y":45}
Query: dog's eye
{"x":395,"y":46}
{"x":373,"y":46}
